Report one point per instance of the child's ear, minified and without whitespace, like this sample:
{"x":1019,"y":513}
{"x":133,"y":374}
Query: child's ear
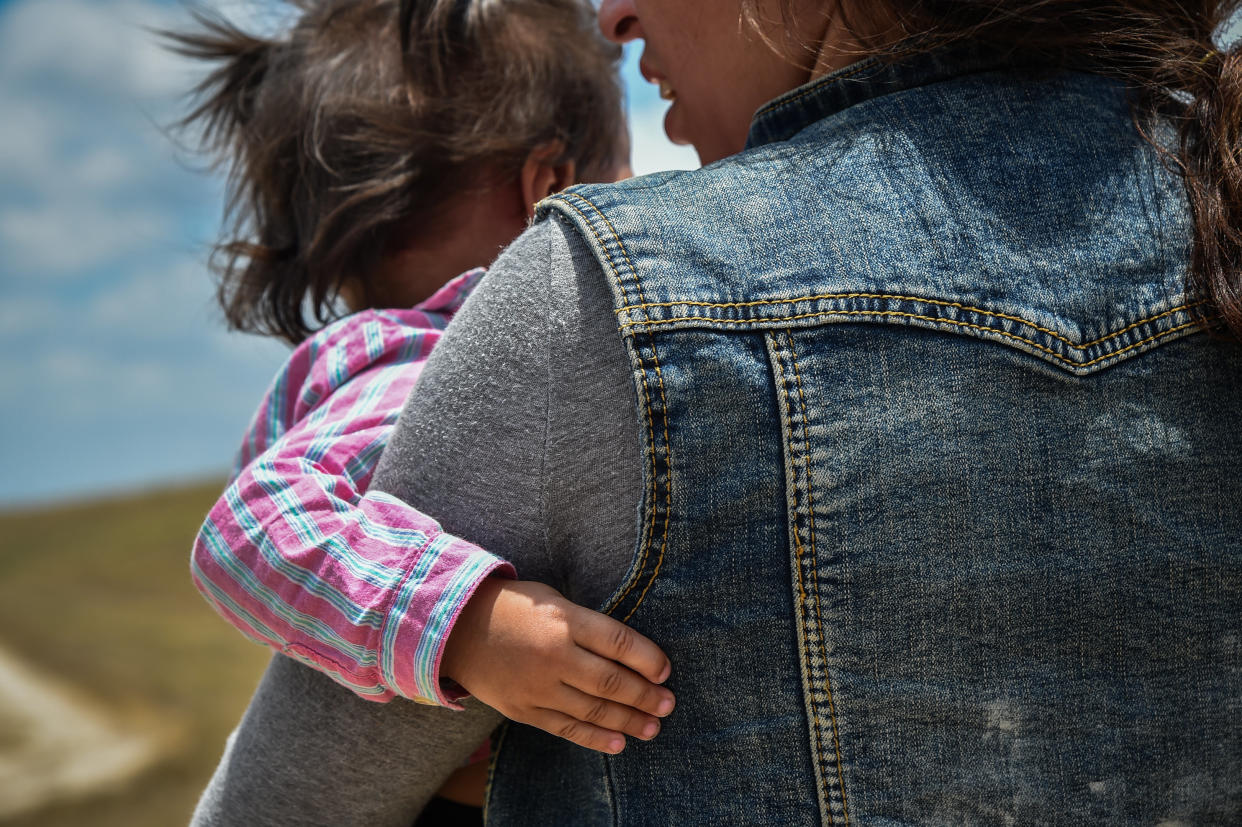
{"x":542,"y":175}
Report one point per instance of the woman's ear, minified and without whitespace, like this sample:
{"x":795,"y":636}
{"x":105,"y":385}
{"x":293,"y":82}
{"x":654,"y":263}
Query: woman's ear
{"x":541,"y":174}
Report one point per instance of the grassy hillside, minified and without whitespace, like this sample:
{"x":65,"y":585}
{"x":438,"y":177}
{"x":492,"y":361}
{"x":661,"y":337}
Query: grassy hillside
{"x":99,"y":594}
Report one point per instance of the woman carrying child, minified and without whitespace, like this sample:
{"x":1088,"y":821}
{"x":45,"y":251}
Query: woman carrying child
{"x":926,"y":388}
{"x":388,"y":184}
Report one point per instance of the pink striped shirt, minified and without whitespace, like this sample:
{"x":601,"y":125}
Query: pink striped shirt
{"x":299,"y":555}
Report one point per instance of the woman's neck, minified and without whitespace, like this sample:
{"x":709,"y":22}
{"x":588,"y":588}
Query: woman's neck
{"x":852,"y":32}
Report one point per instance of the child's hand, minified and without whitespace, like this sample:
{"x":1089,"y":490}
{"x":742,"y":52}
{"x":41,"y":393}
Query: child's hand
{"x":535,"y":657}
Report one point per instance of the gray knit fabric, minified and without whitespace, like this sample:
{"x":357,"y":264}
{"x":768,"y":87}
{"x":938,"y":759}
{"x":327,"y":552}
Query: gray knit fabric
{"x":522,"y":436}
{"x":310,"y":752}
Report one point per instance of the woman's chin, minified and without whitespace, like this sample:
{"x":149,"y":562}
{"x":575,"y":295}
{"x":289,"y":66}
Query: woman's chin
{"x":675,"y":125}
{"x":708,"y":146}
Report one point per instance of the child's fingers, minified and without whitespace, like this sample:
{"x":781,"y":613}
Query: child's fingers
{"x":611,"y":681}
{"x":616,"y":641}
{"x":577,"y":731}
{"x":605,"y":714}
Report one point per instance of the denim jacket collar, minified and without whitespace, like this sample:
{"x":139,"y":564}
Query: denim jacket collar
{"x":787,"y":115}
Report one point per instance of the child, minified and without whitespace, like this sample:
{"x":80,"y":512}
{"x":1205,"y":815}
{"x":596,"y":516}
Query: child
{"x":372,"y":176}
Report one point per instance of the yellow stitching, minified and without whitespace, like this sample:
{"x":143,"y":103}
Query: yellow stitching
{"x":799,"y":550}
{"x":649,"y":530}
{"x":637,"y":282}
{"x":668,"y":445}
{"x":819,"y":616}
{"x":959,"y":306}
{"x":668,"y":489}
{"x":873,"y":313}
{"x":819,"y":738}
{"x":648,"y":526}
{"x":1140,"y":323}
{"x":781,"y":104}
{"x":806,"y":447}
{"x":611,"y":263}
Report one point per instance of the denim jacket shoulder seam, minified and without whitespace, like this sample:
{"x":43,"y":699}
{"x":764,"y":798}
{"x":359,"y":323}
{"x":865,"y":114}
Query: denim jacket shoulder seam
{"x":653,"y":488}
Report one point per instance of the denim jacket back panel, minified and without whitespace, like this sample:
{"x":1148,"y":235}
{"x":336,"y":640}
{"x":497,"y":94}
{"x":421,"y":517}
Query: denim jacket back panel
{"x":941,"y":522}
{"x":1030,"y":213}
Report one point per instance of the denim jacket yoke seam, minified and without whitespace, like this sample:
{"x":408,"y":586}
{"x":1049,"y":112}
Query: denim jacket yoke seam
{"x":934,"y":314}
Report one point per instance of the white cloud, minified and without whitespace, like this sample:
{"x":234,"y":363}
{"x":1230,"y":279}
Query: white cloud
{"x":85,"y":168}
{"x":59,"y":238}
{"x":28,"y":137}
{"x":167,"y":303}
{"x":95,"y":44}
{"x":71,"y":366}
{"x":21,"y":315}
{"x":105,"y":167}
{"x":77,"y":379}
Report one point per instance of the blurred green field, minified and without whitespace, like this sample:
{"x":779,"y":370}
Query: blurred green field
{"x":99,"y":595}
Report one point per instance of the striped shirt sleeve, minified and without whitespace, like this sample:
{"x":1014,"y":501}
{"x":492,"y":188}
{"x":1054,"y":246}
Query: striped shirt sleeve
{"x":297,"y":554}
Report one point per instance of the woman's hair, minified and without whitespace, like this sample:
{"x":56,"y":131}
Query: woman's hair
{"x":1166,"y":51}
{"x":342,"y":146}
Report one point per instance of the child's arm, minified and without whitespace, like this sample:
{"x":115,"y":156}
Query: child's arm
{"x":526,"y":651}
{"x":298,"y":555}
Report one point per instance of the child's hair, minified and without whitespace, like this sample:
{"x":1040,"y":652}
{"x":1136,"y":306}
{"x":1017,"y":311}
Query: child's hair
{"x":344,"y":137}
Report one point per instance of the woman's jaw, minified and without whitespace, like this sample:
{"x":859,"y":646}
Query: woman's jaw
{"x":702,"y":60}
{"x":716,"y":71}
{"x":710,"y":122}
{"x":674,"y":126}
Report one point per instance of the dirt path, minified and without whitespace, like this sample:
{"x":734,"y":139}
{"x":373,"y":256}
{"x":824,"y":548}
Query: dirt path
{"x":54,"y":745}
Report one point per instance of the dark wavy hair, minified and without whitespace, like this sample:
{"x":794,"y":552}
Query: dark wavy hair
{"x":1168,"y":54}
{"x":346,"y":135}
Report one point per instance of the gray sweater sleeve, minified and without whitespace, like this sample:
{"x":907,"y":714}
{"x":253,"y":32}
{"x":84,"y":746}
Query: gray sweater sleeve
{"x":522,"y":436}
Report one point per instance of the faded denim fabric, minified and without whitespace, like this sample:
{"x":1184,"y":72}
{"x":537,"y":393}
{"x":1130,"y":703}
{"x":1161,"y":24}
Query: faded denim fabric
{"x":942,"y":522}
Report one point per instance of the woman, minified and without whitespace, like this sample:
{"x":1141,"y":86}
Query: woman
{"x":923,"y":396}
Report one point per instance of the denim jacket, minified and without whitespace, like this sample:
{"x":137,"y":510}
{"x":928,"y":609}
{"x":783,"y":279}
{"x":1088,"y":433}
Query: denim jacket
{"x":942,"y":515}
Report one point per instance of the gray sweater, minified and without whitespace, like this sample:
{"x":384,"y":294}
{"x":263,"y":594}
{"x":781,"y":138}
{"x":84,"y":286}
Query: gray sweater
{"x":522,"y":436}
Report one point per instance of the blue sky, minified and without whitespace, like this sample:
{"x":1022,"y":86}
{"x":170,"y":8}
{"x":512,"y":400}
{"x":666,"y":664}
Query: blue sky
{"x":115,"y":368}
